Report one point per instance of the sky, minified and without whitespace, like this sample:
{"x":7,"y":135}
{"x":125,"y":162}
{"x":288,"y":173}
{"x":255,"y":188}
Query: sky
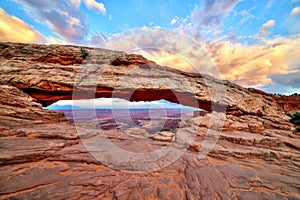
{"x":254,"y":43}
{"x":115,"y":103}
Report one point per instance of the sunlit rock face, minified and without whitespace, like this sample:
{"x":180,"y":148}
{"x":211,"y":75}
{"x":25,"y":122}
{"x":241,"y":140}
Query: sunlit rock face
{"x":51,"y":73}
{"x":289,"y":103}
{"x":249,"y":152}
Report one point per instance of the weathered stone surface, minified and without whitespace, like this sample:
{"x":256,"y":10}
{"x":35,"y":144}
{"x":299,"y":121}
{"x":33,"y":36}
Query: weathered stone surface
{"x":132,"y":59}
{"x":18,"y":109}
{"x":47,"y":161}
{"x":195,"y":147}
{"x":45,"y":157}
{"x":164,"y":136}
{"x":47,"y":74}
{"x":289,"y":103}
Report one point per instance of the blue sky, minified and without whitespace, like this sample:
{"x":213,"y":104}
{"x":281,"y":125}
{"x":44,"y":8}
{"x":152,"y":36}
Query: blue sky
{"x":115,"y":103}
{"x":255,"y":43}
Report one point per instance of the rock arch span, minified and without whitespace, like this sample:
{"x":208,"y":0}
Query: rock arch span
{"x":50,"y":73}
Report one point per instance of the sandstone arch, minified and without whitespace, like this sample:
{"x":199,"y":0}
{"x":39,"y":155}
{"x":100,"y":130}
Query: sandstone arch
{"x":42,"y":154}
{"x":52,"y":73}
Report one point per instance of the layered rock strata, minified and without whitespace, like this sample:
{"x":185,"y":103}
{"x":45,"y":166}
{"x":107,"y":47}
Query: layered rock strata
{"x":253,"y":150}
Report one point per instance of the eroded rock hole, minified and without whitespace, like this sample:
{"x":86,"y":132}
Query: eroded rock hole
{"x":119,"y":114}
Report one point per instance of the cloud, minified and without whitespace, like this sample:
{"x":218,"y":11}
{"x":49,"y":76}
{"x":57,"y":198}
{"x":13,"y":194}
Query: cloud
{"x":213,"y":12}
{"x":264,"y":30}
{"x":97,"y":39}
{"x":248,"y":65}
{"x":174,"y":20}
{"x":251,"y":65}
{"x":76,"y":3}
{"x":54,"y":40}
{"x":281,"y":89}
{"x":205,"y":20}
{"x":165,"y":47}
{"x":63,"y":17}
{"x":286,"y":79}
{"x":291,"y":21}
{"x":295,"y":11}
{"x":245,"y":16}
{"x":243,"y":12}
{"x":14,"y":29}
{"x":72,"y":21}
{"x":65,"y":24}
{"x":269,"y":4}
{"x":93,"y":4}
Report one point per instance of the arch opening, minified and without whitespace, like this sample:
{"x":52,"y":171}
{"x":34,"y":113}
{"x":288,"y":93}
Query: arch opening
{"x":115,"y":113}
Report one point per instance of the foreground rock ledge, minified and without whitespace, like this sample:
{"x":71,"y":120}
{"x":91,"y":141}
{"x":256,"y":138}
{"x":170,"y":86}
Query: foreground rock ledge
{"x":42,"y":157}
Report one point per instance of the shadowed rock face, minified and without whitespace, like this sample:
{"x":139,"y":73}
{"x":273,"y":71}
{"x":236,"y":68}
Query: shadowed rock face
{"x":45,"y":157}
{"x":51,"y":73}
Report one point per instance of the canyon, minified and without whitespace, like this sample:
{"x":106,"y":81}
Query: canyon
{"x":242,"y":147}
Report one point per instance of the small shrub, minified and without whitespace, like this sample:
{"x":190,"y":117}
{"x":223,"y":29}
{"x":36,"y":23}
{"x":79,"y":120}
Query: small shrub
{"x":85,"y":53}
{"x":290,"y":115}
{"x":295,"y":118}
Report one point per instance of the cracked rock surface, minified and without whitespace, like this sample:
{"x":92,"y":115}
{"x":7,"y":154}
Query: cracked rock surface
{"x":43,"y":156}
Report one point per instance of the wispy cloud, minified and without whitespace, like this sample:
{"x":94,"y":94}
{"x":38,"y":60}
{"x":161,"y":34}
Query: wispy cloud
{"x":213,"y":12}
{"x":76,"y":3}
{"x":93,"y":4}
{"x":287,"y":79}
{"x":14,"y":29}
{"x":97,"y":39}
{"x":251,"y":65}
{"x":210,"y":16}
{"x":60,"y":17}
{"x":264,"y":30}
{"x":63,"y":17}
{"x":248,"y":65}
{"x":165,"y":47}
{"x":174,"y":20}
{"x":295,"y":11}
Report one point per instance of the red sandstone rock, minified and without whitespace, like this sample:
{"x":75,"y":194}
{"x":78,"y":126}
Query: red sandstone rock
{"x":289,"y":103}
{"x":45,"y":157}
{"x":164,"y":136}
{"x":51,"y":73}
{"x":195,"y":147}
{"x":131,"y":59}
